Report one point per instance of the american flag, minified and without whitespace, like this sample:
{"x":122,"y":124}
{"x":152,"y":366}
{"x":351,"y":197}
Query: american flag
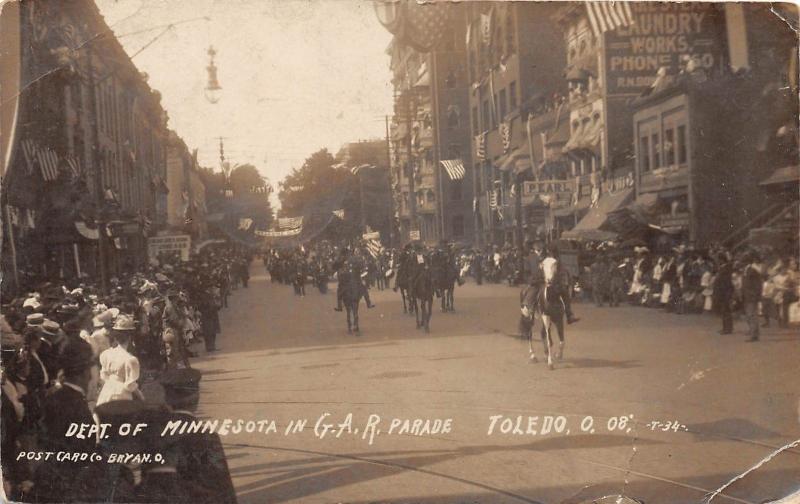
{"x":419,"y":25}
{"x":48,"y":164}
{"x":29,"y":150}
{"x":290,"y":222}
{"x":505,"y":134}
{"x":74,"y":167}
{"x":480,"y":145}
{"x":245,"y":223}
{"x":493,"y":199}
{"x":608,"y":16}
{"x":374,"y":247}
{"x":454,"y":168}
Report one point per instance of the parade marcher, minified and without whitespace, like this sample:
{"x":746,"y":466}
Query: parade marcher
{"x":600,"y":280}
{"x":751,"y":293}
{"x":119,"y":369}
{"x":723,"y":292}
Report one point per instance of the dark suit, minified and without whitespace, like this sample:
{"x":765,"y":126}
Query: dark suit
{"x":722,"y":295}
{"x":59,"y":481}
{"x":752,"y":285}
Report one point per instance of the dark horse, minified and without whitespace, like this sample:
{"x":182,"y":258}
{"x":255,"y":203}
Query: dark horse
{"x":402,"y":280}
{"x":350,"y":290}
{"x":445,"y":275}
{"x":422,"y":294}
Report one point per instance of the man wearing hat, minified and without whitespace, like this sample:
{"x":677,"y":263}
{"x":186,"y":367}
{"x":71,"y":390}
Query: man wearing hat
{"x":752,"y":286}
{"x":119,"y":369}
{"x":723,"y":291}
{"x":55,"y":481}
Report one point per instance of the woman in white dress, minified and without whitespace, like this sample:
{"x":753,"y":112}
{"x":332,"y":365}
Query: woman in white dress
{"x":119,"y":370}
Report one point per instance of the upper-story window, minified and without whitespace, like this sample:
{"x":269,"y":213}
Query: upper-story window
{"x":450,"y":80}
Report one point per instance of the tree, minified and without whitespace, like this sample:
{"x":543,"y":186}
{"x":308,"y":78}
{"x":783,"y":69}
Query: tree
{"x":316,"y":181}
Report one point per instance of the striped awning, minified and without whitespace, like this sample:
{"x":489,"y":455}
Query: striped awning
{"x":454,"y":168}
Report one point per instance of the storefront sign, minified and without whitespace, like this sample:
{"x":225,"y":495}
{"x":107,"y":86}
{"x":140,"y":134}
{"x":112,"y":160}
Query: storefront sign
{"x":663,"y":35}
{"x":171,"y":244}
{"x":665,"y":178}
{"x":413,"y":235}
{"x":550,"y":192}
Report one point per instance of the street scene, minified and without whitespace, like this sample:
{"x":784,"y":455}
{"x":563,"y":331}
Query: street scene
{"x":263,"y":251}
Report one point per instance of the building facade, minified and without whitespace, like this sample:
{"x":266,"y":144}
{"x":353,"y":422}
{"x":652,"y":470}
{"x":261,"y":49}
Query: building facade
{"x":430,"y":135}
{"x":87,"y":158}
{"x":186,"y":199}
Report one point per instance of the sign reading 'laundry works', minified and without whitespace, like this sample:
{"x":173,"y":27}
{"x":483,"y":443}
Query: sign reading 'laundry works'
{"x":663,"y":35}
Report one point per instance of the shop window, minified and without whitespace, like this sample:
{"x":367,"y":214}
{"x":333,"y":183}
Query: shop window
{"x":644,"y":153}
{"x":458,"y":225}
{"x":669,"y":147}
{"x":682,"y":151}
{"x":512,"y":96}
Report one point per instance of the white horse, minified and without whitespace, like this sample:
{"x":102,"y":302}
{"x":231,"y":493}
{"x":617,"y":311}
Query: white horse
{"x":548,"y":305}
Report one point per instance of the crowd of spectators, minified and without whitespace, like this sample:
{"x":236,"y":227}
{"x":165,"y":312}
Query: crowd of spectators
{"x":72,"y":353}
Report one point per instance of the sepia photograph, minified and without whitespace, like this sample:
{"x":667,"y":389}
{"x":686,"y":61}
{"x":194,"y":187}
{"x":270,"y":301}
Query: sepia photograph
{"x":399,"y":252}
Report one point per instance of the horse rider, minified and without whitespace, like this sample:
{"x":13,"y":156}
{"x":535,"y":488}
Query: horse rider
{"x":556,"y":279}
{"x":351,"y":267}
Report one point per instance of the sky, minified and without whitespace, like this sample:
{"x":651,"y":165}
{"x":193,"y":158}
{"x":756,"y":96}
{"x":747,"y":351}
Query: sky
{"x":296,"y":75}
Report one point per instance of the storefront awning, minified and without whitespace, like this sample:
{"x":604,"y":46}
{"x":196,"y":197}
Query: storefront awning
{"x":784,"y":175}
{"x":589,"y":228}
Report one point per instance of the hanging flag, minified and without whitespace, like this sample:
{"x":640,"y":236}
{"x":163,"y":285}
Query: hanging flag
{"x":486,"y":28}
{"x":339,"y":213}
{"x":475,"y":205}
{"x":245,"y":223}
{"x":419,"y":25}
{"x":608,"y":16}
{"x":29,"y":150}
{"x":289,"y":222}
{"x":505,"y":135}
{"x":374,"y":247}
{"x":493,"y":199}
{"x":454,"y":168}
{"x":48,"y":164}
{"x":74,"y":167}
{"x":513,"y":192}
{"x":279,"y":234}
{"x":469,"y":33}
{"x":499,"y":213}
{"x":480,"y":146}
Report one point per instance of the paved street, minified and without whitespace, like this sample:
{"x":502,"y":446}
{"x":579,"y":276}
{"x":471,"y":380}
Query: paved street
{"x":286,"y":358}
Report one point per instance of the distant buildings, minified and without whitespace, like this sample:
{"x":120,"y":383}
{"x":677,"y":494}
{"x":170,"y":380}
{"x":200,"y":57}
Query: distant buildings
{"x":661,"y":122}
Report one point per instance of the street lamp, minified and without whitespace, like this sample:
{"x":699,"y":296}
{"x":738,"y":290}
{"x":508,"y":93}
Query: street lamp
{"x":212,"y":90}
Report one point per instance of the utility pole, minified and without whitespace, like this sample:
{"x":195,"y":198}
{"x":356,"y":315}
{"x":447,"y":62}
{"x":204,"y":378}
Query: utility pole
{"x":389,"y":170}
{"x":98,"y":175}
{"x":410,"y":161}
